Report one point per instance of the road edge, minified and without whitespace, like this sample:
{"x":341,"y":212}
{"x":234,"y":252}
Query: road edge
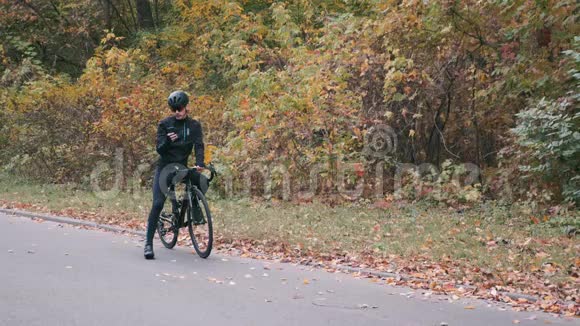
{"x":71,"y":221}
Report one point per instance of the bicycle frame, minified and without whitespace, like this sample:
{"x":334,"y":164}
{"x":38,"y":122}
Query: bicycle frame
{"x":193,"y":203}
{"x":190,"y":195}
{"x":185,"y":203}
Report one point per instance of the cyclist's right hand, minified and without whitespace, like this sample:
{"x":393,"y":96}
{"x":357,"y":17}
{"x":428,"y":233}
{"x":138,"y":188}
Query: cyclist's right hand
{"x":172,"y":136}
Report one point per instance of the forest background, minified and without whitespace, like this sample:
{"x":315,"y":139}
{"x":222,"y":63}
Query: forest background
{"x":300,"y":84}
{"x":466,"y":106}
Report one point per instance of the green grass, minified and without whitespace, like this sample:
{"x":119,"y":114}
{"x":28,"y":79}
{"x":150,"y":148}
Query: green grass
{"x":403,"y":230}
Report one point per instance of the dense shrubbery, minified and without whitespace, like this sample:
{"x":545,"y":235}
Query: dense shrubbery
{"x":299,"y":84}
{"x":548,"y":136}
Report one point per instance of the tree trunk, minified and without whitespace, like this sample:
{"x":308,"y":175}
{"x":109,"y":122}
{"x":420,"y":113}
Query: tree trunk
{"x":144,"y":14}
{"x":157,"y":22}
{"x":107,"y":11}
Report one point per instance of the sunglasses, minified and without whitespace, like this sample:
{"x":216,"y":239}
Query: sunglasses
{"x":178,"y":109}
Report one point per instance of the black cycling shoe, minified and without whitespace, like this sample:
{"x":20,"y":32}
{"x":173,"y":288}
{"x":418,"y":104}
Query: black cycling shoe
{"x":149,"y":252}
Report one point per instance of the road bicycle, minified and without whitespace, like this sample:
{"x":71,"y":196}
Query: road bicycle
{"x":192,"y":211}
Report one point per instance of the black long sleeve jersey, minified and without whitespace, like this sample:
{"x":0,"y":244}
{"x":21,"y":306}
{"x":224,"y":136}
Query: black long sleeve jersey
{"x":190,"y":137}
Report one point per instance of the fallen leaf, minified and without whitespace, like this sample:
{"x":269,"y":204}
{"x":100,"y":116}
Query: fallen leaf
{"x":469,"y":307}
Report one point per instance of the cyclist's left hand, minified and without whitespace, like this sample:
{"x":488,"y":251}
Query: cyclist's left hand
{"x":199,"y":168}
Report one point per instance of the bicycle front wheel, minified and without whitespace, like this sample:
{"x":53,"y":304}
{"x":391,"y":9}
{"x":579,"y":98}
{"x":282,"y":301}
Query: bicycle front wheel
{"x":167,"y":229}
{"x":199,"y":224}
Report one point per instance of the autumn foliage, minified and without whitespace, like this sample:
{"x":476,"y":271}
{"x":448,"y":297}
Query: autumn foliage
{"x":293,"y":84}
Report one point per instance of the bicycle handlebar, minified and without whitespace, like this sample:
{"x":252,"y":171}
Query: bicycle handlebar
{"x":209,"y":167}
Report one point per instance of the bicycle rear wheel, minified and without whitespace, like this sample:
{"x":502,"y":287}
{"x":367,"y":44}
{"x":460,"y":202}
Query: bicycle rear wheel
{"x":199,"y":224}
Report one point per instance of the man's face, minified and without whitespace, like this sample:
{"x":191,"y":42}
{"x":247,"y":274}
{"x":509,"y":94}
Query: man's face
{"x":181,"y":114}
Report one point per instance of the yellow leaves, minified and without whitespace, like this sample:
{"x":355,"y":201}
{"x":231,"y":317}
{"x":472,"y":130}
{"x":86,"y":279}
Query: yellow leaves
{"x":115,"y":56}
{"x":364,"y":67}
{"x":412,"y":75}
{"x":111,"y":37}
{"x":232,"y":9}
{"x":482,"y":76}
{"x":198,"y":73}
{"x":209,"y":150}
{"x":396,"y":76}
{"x":357,"y":133}
{"x":173,"y":68}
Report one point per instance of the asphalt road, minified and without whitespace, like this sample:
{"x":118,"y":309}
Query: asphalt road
{"x":54,"y":274}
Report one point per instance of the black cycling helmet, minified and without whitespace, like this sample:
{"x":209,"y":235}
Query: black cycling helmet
{"x":177,"y":100}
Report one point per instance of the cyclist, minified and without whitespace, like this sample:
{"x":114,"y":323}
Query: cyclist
{"x":177,"y":135}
